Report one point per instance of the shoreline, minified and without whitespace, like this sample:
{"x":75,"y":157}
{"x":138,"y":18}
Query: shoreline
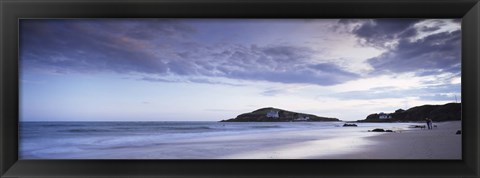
{"x":313,"y":143}
{"x":439,"y":143}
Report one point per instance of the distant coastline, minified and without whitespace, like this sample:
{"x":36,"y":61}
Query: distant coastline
{"x":438,"y":113}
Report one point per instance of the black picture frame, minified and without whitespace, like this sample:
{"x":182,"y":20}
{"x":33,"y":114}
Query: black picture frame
{"x":12,"y":10}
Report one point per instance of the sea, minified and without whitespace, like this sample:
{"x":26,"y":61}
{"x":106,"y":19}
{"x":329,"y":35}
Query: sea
{"x":116,"y":140}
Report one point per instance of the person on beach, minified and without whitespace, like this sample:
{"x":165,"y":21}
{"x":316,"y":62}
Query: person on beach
{"x":429,"y":123}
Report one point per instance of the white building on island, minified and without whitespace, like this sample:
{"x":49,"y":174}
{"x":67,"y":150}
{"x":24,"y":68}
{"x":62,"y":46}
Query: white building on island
{"x":273,"y":113}
{"x":384,"y":116}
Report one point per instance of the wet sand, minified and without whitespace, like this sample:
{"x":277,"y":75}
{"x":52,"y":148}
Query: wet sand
{"x":438,"y":143}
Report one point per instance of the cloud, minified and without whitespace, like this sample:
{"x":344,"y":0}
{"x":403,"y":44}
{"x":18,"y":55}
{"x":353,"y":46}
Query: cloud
{"x":428,"y":47}
{"x":189,"y":80}
{"x":272,"y":92}
{"x":442,"y":97}
{"x":378,"y":32}
{"x":434,"y":92}
{"x":439,"y":52}
{"x":283,"y":64}
{"x":209,"y":81}
{"x":152,"y":79}
{"x":333,"y":69}
{"x":165,"y":48}
{"x":158,"y":28}
{"x":296,"y":75}
{"x":97,"y":45}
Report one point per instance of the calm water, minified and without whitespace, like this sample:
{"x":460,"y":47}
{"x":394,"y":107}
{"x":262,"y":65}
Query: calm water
{"x":56,"y":140}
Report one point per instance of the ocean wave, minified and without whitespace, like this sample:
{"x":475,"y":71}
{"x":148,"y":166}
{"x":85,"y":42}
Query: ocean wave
{"x":85,"y":130}
{"x":266,"y":126}
{"x":62,"y":125}
{"x":187,"y":128}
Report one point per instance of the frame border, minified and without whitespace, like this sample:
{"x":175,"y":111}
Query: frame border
{"x":12,"y":10}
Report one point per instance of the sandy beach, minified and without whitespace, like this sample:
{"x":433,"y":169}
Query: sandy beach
{"x":438,"y":143}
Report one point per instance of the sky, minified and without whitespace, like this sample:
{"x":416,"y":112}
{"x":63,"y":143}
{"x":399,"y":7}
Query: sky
{"x":215,"y":69}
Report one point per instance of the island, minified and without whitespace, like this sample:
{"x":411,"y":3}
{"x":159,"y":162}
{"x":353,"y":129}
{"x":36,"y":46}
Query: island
{"x":446,"y":112}
{"x":270,"y":114}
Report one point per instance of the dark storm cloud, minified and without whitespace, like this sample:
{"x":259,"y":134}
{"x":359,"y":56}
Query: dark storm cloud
{"x":433,"y":54}
{"x":379,"y":31}
{"x":407,"y":33}
{"x":439,"y":52}
{"x":429,"y":29}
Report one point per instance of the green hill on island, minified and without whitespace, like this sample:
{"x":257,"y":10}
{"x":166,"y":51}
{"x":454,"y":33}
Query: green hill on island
{"x":277,"y":115}
{"x":446,"y":112}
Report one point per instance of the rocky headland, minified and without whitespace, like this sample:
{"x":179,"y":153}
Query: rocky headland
{"x":446,"y":112}
{"x":271,"y":114}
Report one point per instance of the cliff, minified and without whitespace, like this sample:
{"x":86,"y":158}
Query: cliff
{"x":277,"y":115}
{"x":446,"y":112}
